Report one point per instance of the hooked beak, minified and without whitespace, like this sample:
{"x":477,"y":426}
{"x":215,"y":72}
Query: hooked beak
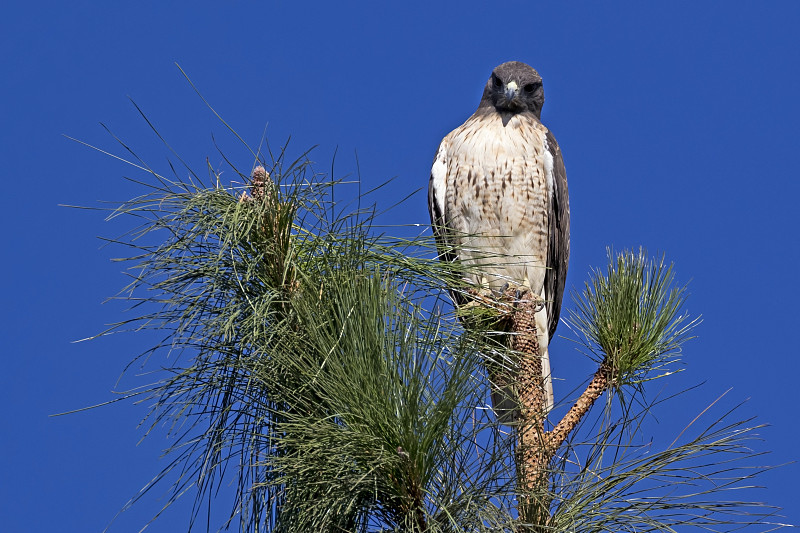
{"x":511,"y":90}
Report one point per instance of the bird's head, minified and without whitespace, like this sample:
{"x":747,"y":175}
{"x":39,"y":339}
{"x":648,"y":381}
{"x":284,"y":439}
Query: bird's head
{"x":514,"y":87}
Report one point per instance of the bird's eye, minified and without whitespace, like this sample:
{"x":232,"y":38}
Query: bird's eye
{"x":529,"y":88}
{"x":496,"y":81}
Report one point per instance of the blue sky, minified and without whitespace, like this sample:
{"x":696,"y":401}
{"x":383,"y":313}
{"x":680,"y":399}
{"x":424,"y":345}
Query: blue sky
{"x":678,"y":124}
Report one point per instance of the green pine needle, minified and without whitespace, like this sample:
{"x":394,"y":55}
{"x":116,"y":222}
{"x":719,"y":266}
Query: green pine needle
{"x":630,"y":317}
{"x":305,"y":358}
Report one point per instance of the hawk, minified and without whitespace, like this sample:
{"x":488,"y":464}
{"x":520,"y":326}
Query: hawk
{"x":498,"y":202}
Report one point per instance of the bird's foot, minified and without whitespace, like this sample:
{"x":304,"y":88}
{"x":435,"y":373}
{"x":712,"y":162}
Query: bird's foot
{"x":499,"y":306}
{"x":517,"y":295}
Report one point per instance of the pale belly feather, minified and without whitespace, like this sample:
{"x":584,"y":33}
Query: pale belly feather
{"x":496,"y":201}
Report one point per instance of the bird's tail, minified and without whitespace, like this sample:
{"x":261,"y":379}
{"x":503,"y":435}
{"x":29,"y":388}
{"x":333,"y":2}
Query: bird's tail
{"x":505,"y":399}
{"x":506,"y":393}
{"x":549,"y":398}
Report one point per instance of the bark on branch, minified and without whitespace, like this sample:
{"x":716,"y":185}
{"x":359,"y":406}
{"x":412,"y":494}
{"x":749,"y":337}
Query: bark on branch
{"x":535,"y":446}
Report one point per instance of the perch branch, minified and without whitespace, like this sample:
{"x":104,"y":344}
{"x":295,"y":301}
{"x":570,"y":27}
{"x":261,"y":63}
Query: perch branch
{"x":535,"y":446}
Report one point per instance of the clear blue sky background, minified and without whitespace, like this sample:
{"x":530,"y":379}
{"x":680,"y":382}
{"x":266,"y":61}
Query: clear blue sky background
{"x":678,"y":123}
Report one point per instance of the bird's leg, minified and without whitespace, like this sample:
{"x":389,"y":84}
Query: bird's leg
{"x":522,"y":289}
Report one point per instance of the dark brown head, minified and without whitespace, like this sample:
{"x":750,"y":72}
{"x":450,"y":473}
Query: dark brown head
{"x":514,"y":87}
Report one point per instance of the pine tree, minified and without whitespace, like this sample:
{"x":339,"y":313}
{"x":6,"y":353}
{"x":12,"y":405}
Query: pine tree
{"x":324,"y":371}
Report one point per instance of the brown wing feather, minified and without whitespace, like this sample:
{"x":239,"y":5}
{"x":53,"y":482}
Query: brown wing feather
{"x":558,"y":246}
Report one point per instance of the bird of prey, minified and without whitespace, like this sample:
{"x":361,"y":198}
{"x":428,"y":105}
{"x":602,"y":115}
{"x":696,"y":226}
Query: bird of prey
{"x":498,"y":202}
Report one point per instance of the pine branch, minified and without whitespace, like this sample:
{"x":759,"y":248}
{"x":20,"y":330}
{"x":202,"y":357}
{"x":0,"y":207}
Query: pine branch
{"x":599,"y":384}
{"x":532,"y":454}
{"x":323,"y":380}
{"x":535,"y":446}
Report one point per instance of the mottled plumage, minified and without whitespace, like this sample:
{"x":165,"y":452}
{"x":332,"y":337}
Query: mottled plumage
{"x":498,"y":198}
